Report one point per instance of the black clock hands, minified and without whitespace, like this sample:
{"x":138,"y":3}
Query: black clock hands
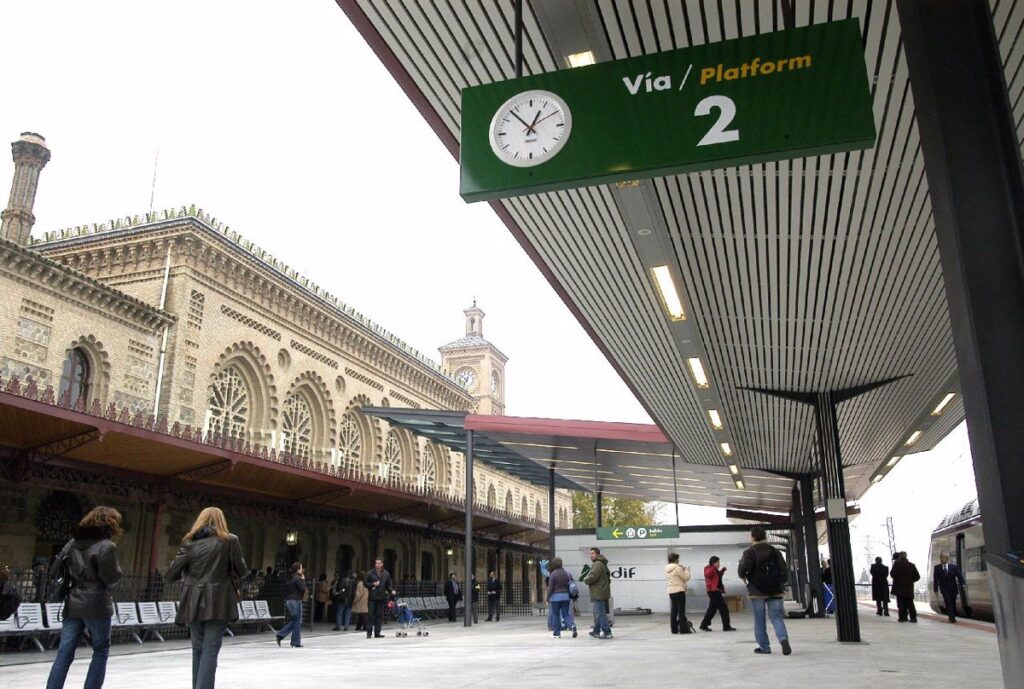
{"x":513,"y":113}
{"x":530,"y":128}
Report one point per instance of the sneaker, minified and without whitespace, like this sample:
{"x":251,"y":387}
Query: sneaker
{"x":786,"y":648}
{"x":594,"y":634}
{"x":608,"y":636}
{"x":556,"y":636}
{"x":761,"y":651}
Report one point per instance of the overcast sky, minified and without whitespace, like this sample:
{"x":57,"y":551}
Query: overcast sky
{"x":277,"y":119}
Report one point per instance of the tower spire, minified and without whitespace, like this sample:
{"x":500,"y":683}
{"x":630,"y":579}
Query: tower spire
{"x":30,"y":156}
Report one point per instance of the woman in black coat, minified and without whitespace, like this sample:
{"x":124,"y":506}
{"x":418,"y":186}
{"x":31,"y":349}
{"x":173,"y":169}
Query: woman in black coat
{"x":210,"y":561}
{"x":89,"y":562}
{"x":880,"y":586}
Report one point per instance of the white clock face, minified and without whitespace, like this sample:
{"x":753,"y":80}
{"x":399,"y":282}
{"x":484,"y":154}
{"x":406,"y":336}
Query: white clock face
{"x":466,"y":377}
{"x":494,"y":383}
{"x":530,"y":128}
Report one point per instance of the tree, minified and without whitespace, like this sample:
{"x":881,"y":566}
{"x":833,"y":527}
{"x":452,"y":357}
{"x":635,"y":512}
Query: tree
{"x":615,"y":511}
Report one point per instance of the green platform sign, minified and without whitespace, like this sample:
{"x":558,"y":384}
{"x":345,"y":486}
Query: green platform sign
{"x":772,"y":96}
{"x":636,"y":533}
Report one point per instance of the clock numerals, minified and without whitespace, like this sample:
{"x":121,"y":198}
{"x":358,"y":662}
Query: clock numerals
{"x":530,"y":128}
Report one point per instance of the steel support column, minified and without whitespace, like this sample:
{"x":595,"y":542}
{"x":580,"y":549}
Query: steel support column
{"x":598,"y":509}
{"x":798,"y":557}
{"x":551,"y":510}
{"x":976,"y":185}
{"x":467,"y":582}
{"x":815,"y":592}
{"x":834,"y":495}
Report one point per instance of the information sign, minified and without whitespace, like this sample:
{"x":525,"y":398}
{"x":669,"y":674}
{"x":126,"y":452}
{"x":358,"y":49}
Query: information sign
{"x":636,"y":533}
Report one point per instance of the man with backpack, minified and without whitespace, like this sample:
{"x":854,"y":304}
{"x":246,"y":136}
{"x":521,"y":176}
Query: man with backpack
{"x":764,"y":569}
{"x":600,"y":582}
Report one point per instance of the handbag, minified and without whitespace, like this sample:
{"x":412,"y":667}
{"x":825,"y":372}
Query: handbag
{"x":60,"y":577}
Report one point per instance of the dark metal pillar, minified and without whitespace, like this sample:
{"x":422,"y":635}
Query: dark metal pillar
{"x":598,"y":510}
{"x":834,"y":495}
{"x":798,"y":556}
{"x":976,"y":186}
{"x":467,"y":583}
{"x":815,"y":593}
{"x":551,"y":510}
{"x":519,"y":37}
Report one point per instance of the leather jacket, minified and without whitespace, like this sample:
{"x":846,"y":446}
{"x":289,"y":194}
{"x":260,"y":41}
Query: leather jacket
{"x":210,"y":569}
{"x":93,"y":569}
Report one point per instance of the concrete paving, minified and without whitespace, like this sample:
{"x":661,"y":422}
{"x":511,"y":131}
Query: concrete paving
{"x":519,"y":652}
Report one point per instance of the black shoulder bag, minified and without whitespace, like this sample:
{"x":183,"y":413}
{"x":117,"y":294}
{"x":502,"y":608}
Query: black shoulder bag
{"x":60,"y":577}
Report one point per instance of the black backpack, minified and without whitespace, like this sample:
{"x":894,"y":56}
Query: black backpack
{"x":768,"y":577}
{"x":10,"y":599}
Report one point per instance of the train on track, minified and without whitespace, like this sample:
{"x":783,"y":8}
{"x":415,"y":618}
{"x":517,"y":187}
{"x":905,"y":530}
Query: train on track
{"x":959,"y":535}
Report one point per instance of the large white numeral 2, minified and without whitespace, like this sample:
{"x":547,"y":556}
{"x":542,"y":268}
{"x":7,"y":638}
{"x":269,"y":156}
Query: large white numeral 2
{"x":718,"y":134}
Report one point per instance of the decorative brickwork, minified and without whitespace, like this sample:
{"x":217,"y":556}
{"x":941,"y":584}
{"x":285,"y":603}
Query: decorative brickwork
{"x":251,"y":322}
{"x":364,"y":379}
{"x":298,"y":346}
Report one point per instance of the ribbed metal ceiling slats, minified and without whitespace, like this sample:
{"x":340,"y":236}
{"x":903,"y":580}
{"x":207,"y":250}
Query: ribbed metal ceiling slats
{"x":804,"y":274}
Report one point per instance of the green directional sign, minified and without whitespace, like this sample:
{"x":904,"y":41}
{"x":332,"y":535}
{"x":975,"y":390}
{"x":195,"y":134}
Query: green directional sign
{"x":636,"y":533}
{"x":771,"y":96}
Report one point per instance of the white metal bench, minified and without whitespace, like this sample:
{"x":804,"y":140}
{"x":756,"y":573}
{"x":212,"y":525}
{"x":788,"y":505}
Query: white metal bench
{"x":264,"y":616}
{"x":151,"y":619}
{"x":126,"y":617}
{"x":26,"y":622}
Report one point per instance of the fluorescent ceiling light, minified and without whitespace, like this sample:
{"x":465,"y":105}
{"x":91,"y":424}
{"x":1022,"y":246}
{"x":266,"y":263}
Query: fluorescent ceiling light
{"x":876,"y":478}
{"x":942,"y":405}
{"x":891,"y":462}
{"x":669,"y":294}
{"x":734,"y":469}
{"x":739,"y":484}
{"x":913,"y":438}
{"x":716,"y":419}
{"x":581,"y":59}
{"x":726,"y":450}
{"x":697,"y":369}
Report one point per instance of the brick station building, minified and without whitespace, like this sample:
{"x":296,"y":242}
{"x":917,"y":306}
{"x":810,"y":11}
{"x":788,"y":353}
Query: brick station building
{"x":162,"y":363}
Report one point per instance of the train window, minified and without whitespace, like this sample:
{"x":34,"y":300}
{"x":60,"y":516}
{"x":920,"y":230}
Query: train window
{"x":976,"y":559}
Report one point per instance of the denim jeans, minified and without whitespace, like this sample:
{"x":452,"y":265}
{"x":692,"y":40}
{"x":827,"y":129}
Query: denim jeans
{"x":342,"y":617}
{"x":775,"y":610}
{"x":294,"y":622}
{"x":560,"y":610}
{"x":601,"y":617}
{"x":206,"y":639}
{"x":70,"y":635}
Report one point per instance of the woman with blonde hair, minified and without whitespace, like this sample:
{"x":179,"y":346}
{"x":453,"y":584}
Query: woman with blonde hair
{"x":88,"y":564}
{"x":210,"y":563}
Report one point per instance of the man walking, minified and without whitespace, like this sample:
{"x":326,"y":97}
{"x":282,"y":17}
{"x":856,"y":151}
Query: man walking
{"x":947,"y":580}
{"x":764,"y":569}
{"x":713,"y":574}
{"x":600,"y":582}
{"x":381,"y":587}
{"x":453,"y":593}
{"x":493,"y":598}
{"x":904,"y":573}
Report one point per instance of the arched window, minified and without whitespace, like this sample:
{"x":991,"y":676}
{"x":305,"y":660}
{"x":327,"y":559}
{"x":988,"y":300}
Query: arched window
{"x":392,"y":467}
{"x":75,"y":377}
{"x":296,"y":426}
{"x":428,"y":469}
{"x":537,"y":513}
{"x":229,"y":404}
{"x":525,"y":509}
{"x":350,"y":442}
{"x":508,"y":502}
{"x":492,"y":497}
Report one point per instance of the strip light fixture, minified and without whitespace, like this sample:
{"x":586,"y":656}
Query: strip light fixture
{"x":892,"y":462}
{"x":913,"y":438}
{"x":716,"y":419}
{"x":581,"y":59}
{"x":726,"y":450}
{"x":942,"y":405}
{"x":669,"y":294}
{"x":697,"y":370}
{"x":733,"y":469}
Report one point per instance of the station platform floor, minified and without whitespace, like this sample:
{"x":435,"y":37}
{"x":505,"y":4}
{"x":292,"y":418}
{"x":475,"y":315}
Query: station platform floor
{"x":520,"y":652}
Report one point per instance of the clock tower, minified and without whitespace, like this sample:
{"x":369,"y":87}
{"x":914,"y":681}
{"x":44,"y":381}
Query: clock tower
{"x":477,"y":364}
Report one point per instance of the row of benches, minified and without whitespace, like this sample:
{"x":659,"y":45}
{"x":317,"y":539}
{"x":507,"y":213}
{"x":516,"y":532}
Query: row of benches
{"x":141,"y":620}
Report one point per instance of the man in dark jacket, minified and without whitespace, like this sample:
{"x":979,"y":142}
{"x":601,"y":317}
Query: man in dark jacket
{"x":880,"y":587}
{"x":600,"y":582}
{"x":947,"y":580}
{"x":89,"y":562}
{"x":294,"y":592}
{"x":904,"y":573}
{"x":764,"y":569}
{"x":343,"y":593}
{"x":474,"y":591}
{"x":453,"y":593}
{"x":381,"y":587}
{"x":493,"y":597}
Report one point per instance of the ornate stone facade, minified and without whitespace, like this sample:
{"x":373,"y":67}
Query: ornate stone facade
{"x":175,"y":315}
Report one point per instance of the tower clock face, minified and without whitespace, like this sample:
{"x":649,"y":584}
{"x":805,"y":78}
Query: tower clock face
{"x":530,"y":128}
{"x":466,"y":377}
